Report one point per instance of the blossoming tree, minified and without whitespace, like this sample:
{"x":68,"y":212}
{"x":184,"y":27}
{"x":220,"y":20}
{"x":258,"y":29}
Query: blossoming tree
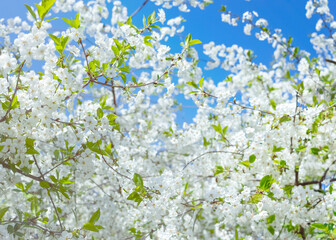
{"x":90,"y":148}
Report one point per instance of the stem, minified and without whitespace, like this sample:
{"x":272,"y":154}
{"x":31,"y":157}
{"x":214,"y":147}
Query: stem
{"x":50,"y":197}
{"x":15,"y":91}
{"x":138,"y":10}
{"x":209,"y":153}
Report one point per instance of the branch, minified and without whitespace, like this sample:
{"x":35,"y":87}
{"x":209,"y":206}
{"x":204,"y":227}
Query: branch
{"x":50,"y":197}
{"x":283,"y":225}
{"x":15,"y":91}
{"x":238,"y":104}
{"x":112,"y":167}
{"x":209,"y":153}
{"x":330,"y":61}
{"x":87,"y":61}
{"x":32,"y":223}
{"x":138,"y":10}
{"x":14,"y":169}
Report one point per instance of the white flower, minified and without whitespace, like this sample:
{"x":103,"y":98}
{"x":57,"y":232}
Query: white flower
{"x":162,"y":16}
{"x":247,"y":29}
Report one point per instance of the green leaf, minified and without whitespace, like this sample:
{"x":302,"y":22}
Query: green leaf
{"x":273,"y":104}
{"x":245,"y":163}
{"x":185,"y":188}
{"x":205,"y":142}
{"x":20,"y":186}
{"x":123,"y":77}
{"x":63,"y":191}
{"x":270,"y":229}
{"x":200,"y":83}
{"x":95,"y":216}
{"x":50,"y":19}
{"x":224,"y":130}
{"x":147,"y":42}
{"x":129,"y":21}
{"x":319,"y":226}
{"x":236,"y":234}
{"x":31,"y":11}
{"x":30,"y":146}
{"x":277,"y":149}
{"x":102,"y":100}
{"x":53,"y":178}
{"x":100,"y":113}
{"x":218,"y":170}
{"x":301,"y":148}
{"x":194,"y":42}
{"x":252,"y":158}
{"x":44,"y":184}
{"x":41,"y":11}
{"x":3,"y":212}
{"x":315,"y":151}
{"x":111,"y":118}
{"x":90,"y":227}
{"x":193,"y":84}
{"x":137,"y":179}
{"x":124,"y":69}
{"x":288,"y":189}
{"x":285,"y":118}
{"x":187,"y":39}
{"x":256,"y":198}
{"x":270,"y":219}
{"x":151,"y":18}
{"x":266,"y":183}
{"x":134,"y":196}
{"x":73,"y":23}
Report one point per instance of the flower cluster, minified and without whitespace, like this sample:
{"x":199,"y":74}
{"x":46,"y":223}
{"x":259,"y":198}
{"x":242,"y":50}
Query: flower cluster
{"x":90,"y":146}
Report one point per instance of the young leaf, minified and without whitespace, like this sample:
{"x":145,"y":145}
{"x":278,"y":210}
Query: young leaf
{"x":31,"y":11}
{"x":252,"y":158}
{"x":200,"y":83}
{"x":3,"y":212}
{"x":95,"y":216}
{"x":193,"y":84}
{"x":194,"y":42}
{"x":137,"y":179}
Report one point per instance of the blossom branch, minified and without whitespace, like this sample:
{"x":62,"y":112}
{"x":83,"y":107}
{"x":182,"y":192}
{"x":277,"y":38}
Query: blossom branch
{"x":193,"y":160}
{"x":48,"y":192}
{"x":15,"y":91}
{"x":15,"y":169}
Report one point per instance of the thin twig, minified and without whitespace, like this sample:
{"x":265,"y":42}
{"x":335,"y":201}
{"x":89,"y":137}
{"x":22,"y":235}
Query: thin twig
{"x":32,"y":224}
{"x":120,"y":174}
{"x":209,"y":153}
{"x":15,"y":91}
{"x":283,"y":225}
{"x":138,"y":10}
{"x":14,"y":169}
{"x":100,"y":187}
{"x":50,"y":197}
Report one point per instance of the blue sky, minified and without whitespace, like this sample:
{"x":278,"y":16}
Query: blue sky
{"x":206,"y":25}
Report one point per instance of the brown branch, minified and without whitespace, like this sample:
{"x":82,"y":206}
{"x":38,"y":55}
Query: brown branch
{"x":32,"y":223}
{"x":114,"y":95}
{"x":138,"y":10}
{"x":330,"y":61}
{"x":14,"y":169}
